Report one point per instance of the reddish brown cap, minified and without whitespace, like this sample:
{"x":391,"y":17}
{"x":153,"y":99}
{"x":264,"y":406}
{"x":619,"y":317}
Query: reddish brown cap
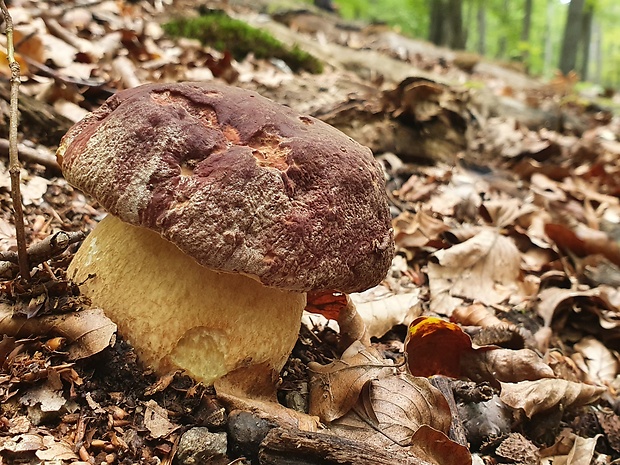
{"x":238,"y":182}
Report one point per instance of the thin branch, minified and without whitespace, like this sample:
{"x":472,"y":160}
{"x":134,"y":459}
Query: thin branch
{"x":14,"y":165}
{"x":41,"y":251}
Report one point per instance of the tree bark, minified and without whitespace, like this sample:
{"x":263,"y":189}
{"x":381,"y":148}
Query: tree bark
{"x":526,"y":29}
{"x":586,"y":40}
{"x":436,"y":31}
{"x":548,"y":41}
{"x":572,"y":37}
{"x":481,"y":17}
{"x":455,"y":25}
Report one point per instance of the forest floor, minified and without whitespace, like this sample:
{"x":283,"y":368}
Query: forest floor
{"x":505,"y":194}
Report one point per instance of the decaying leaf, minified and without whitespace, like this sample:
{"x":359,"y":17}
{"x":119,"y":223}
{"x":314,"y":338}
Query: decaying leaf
{"x":437,"y":448}
{"x":390,"y":410}
{"x":601,"y":363}
{"x":435,"y":347}
{"x":156,"y":420}
{"x":484,"y":268}
{"x":584,"y":241}
{"x":493,"y":364}
{"x":570,"y":450}
{"x":404,"y":411}
{"x":335,"y":388}
{"x":88,"y":331}
{"x":381,"y":309}
{"x":417,"y":230}
{"x":546,"y":394}
{"x":505,"y":212}
{"x":475,"y":315}
{"x":595,"y":300}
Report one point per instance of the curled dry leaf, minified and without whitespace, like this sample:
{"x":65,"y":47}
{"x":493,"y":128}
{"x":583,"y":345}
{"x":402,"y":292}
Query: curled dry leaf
{"x":437,"y":448}
{"x":546,"y":394}
{"x":335,"y":388}
{"x":601,"y":363}
{"x":435,"y":346}
{"x":584,"y":241}
{"x":413,"y":231}
{"x":505,"y":212}
{"x":581,"y":451}
{"x":381,"y":309}
{"x":494,"y":364}
{"x":485,"y":268}
{"x":475,"y":315}
{"x":88,"y":331}
{"x":553,"y":299}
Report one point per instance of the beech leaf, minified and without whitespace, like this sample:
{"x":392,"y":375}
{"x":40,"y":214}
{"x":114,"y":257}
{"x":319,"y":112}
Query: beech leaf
{"x":335,"y":388}
{"x":546,"y":394}
{"x":495,"y":364}
{"x":88,"y":331}
{"x":485,"y":268}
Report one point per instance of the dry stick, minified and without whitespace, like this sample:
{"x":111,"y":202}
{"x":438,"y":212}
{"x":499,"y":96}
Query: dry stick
{"x":14,"y":166}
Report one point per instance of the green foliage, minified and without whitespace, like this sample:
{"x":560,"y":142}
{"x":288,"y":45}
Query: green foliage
{"x":410,"y":17}
{"x":224,"y":33}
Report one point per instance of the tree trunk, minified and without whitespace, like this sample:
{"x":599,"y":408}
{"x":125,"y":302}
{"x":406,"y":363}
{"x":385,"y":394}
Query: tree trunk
{"x":572,"y":37}
{"x":481,"y":17}
{"x":446,"y":23}
{"x":597,"y":43}
{"x":455,"y":24}
{"x":586,"y":40}
{"x":525,"y":30}
{"x":436,"y":31}
{"x":548,"y":40}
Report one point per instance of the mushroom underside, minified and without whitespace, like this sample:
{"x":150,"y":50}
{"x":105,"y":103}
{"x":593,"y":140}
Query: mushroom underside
{"x":178,"y":314}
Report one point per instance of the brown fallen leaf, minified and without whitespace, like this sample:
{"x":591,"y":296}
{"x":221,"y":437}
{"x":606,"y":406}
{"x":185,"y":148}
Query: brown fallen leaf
{"x":571,"y":450}
{"x":547,"y":394}
{"x":437,"y":347}
{"x":390,"y":410}
{"x":156,"y":420}
{"x":494,"y":364}
{"x":601,"y":363}
{"x":437,"y":448}
{"x":88,"y":331}
{"x":475,"y":315}
{"x":412,"y":231}
{"x":485,"y":268}
{"x":584,"y":241}
{"x":596,"y":300}
{"x":335,"y":388}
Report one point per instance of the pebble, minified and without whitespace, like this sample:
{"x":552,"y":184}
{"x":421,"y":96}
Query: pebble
{"x":199,"y":445}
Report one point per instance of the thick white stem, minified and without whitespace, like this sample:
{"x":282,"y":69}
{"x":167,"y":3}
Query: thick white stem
{"x":179,"y":314}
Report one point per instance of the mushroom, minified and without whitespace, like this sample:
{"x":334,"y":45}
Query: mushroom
{"x":225,"y":208}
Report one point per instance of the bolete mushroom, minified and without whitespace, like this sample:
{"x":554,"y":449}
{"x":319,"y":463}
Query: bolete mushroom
{"x":225,"y":208}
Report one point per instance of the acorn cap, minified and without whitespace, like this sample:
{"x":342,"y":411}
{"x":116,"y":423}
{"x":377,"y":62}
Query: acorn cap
{"x":238,"y":182}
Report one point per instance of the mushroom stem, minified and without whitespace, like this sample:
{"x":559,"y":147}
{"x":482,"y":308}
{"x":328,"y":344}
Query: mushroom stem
{"x":178,"y":314}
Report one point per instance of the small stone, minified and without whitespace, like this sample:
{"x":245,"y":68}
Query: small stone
{"x":199,"y":445}
{"x":246,"y":431}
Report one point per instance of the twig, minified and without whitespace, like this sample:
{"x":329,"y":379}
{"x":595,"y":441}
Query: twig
{"x":40,"y":252}
{"x":41,"y":156}
{"x":14,"y":165}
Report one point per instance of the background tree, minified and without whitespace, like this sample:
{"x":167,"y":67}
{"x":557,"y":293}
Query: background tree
{"x":572,"y":37}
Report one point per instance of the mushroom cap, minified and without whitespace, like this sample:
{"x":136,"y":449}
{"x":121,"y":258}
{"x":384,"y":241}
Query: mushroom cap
{"x":238,"y":182}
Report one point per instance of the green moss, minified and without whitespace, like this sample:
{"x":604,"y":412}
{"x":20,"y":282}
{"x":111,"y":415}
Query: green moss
{"x":218,"y":30}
